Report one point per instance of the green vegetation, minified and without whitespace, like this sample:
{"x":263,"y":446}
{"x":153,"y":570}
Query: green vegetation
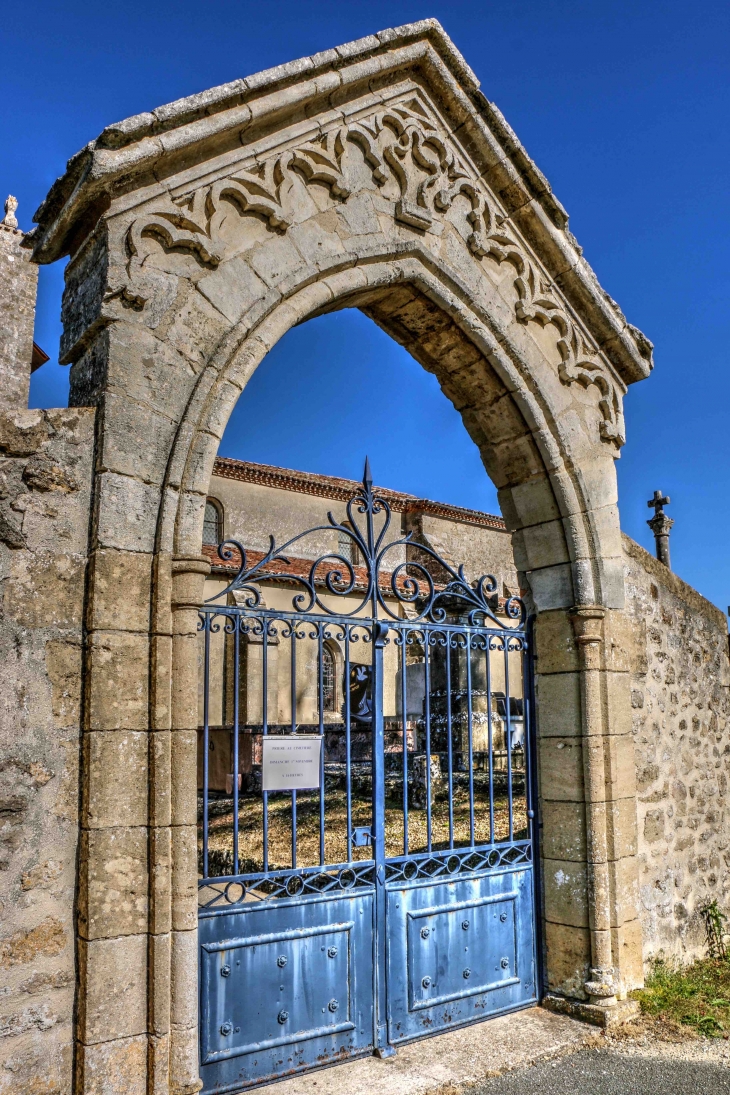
{"x":696,"y":996}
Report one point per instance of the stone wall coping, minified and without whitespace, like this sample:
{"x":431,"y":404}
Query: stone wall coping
{"x":136,"y":148}
{"x":341,"y":490}
{"x":672,"y":582}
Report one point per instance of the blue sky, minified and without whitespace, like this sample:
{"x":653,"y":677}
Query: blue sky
{"x":624,"y":106}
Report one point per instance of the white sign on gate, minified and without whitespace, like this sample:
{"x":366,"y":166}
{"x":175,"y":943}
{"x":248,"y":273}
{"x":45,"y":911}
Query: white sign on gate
{"x":290,"y":762}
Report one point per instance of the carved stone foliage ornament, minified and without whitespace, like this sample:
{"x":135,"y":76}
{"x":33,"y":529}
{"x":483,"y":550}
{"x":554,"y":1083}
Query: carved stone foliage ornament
{"x":401,"y":144}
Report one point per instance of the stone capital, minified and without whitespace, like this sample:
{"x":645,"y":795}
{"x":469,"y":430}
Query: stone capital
{"x":661,"y":524}
{"x":188,"y":574}
{"x":587,"y":621}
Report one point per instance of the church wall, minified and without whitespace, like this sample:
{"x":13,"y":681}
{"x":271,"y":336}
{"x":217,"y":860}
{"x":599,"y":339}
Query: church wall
{"x":45,"y":501}
{"x":680,"y":701}
{"x":481,"y":550}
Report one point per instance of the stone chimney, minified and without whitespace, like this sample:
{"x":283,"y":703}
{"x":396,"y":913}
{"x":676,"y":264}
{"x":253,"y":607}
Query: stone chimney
{"x":18,"y":286}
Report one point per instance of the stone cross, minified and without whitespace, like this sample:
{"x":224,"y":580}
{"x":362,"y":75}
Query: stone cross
{"x":660,"y":525}
{"x":11,"y":204}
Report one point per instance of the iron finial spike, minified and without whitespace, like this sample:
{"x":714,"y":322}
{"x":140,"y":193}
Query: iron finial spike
{"x":367,"y":475}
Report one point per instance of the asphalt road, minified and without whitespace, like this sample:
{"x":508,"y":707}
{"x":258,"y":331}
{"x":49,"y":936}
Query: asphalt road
{"x":609,"y":1072}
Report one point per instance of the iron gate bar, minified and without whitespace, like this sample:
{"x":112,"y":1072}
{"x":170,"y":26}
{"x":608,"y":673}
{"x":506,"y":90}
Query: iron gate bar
{"x":206,"y":736}
{"x":320,"y":706}
{"x":348,"y":744}
{"x":507,"y":706}
{"x":380,"y":632}
{"x":449,"y":743}
{"x":236,"y":701}
{"x":265,"y":730}
{"x":427,"y":709}
{"x":403,"y":705}
{"x":470,"y":743}
{"x":490,"y":738}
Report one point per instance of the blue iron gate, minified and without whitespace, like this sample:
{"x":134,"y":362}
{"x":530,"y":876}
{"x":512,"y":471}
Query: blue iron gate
{"x":365,"y":769}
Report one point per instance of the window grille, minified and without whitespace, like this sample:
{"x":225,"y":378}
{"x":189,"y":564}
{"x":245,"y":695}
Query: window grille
{"x":212,"y":533}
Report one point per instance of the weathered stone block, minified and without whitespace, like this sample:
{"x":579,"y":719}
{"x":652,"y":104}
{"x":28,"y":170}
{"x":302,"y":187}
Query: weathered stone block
{"x":117,"y":1067}
{"x":160,"y":778}
{"x":533,"y":502}
{"x":160,"y":880}
{"x":46,"y":939}
{"x":118,"y":681}
{"x":624,"y":883}
{"x":63,"y":665}
{"x":559,"y":711}
{"x":565,"y":894}
{"x":39,"y":1063}
{"x":22,"y":431}
{"x":232,"y":288}
{"x":545,"y":545}
{"x":654,"y":826}
{"x":119,"y":572}
{"x":50,"y":593}
{"x":621,"y":827}
{"x":184,"y":761}
{"x":567,"y":958}
{"x":115,"y":785}
{"x":128,"y":511}
{"x":184,"y":877}
{"x":555,"y":643}
{"x":627,"y":947}
{"x":563,"y":833}
{"x":184,"y":977}
{"x":621,"y":769}
{"x":113,"y":891}
{"x":113,"y":988}
{"x":561,"y":769}
{"x":552,"y":587}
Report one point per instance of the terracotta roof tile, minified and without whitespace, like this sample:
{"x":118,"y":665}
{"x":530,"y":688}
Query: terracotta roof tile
{"x":331,"y":486}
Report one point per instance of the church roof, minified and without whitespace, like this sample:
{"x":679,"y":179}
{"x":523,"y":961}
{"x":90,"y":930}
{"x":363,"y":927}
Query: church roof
{"x":341,"y":490}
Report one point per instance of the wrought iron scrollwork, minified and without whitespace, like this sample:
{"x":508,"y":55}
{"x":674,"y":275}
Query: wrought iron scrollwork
{"x":409,"y":583}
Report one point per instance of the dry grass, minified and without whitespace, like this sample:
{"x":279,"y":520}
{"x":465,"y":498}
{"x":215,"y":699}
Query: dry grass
{"x":220,"y":837}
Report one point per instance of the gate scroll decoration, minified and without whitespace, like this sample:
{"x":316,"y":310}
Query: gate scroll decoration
{"x":420,"y":915}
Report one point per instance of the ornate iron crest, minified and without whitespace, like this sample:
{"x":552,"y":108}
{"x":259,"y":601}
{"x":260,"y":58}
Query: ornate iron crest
{"x":407,"y":583}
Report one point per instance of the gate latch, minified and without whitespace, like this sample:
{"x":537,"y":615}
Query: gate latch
{"x":362,"y":836}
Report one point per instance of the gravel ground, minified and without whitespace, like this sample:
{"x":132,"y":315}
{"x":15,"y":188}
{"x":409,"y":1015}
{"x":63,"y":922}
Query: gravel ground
{"x":624,"y":1066}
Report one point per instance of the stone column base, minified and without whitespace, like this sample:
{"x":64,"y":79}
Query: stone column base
{"x":623,"y":1011}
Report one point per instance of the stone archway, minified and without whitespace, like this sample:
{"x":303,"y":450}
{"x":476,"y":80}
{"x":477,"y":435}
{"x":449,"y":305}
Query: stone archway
{"x":374,"y":176}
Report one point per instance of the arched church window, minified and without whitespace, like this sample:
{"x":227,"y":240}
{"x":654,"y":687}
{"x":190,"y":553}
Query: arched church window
{"x":329,"y":687}
{"x":212,"y":524}
{"x":347,"y":548}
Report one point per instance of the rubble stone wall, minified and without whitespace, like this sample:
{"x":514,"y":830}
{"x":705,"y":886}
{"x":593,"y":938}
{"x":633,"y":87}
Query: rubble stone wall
{"x":45,"y":502}
{"x":681,"y":723}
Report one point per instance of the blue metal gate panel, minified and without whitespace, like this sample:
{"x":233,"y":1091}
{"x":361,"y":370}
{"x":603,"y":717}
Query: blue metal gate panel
{"x":284,"y":988}
{"x":459,"y":950}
